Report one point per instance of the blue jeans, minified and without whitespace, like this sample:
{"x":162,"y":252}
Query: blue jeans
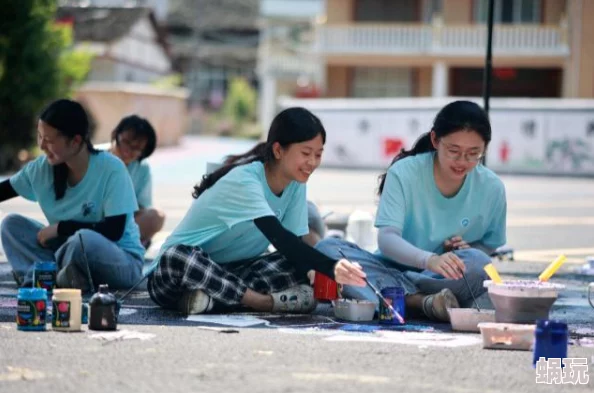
{"x":384,"y":272}
{"x":380,"y":274}
{"x":106,"y":262}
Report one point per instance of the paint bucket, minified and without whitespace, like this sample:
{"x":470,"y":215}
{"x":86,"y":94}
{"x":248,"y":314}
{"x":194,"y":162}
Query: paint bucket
{"x":354,"y":310}
{"x":468,"y":319}
{"x":67,"y":310}
{"x":522,"y":301}
{"x":325,"y":288}
{"x":44,"y":276}
{"x":507,"y":336}
{"x":103,"y":310}
{"x":394,"y":296}
{"x":550,"y":340}
{"x":31,"y":309}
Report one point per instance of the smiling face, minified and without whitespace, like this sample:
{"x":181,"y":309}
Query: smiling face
{"x":458,"y":153}
{"x":299,"y":160}
{"x":57,"y":148}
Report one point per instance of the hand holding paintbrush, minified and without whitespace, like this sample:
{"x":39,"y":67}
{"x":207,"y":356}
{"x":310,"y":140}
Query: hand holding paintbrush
{"x":379,"y":295}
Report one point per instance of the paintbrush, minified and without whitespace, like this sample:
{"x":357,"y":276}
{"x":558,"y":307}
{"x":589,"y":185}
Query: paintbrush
{"x":383,"y":299}
{"x":471,"y":292}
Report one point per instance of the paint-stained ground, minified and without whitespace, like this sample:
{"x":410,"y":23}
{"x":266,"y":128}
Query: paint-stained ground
{"x":546,"y":217}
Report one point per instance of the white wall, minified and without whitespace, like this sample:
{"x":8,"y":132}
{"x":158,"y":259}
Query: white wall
{"x":551,"y":136}
{"x":140,"y":48}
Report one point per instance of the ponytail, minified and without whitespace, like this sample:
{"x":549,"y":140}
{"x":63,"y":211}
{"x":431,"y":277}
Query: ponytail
{"x":261,"y":152}
{"x":422,"y":145}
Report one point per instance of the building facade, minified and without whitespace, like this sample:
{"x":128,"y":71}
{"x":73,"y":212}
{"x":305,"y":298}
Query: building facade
{"x":126,"y":42}
{"x":421,"y":48}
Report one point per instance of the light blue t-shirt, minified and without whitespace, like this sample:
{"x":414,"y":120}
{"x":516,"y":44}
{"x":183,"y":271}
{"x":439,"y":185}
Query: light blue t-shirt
{"x":221,"y":223}
{"x":140,"y":173}
{"x":412,"y":203}
{"x":105,"y":190}
{"x":142,"y":180}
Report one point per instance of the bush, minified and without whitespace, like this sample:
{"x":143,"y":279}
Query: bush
{"x":240,"y":104}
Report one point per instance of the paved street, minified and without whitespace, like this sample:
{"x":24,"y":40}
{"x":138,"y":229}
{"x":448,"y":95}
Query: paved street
{"x":546,"y":217}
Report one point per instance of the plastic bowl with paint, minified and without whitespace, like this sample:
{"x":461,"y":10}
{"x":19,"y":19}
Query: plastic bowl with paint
{"x":467,"y":319}
{"x":354,"y":310}
{"x":507,"y":336}
{"x":522,"y":301}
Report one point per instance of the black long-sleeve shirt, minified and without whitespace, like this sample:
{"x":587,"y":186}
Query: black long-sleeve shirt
{"x":303,"y":257}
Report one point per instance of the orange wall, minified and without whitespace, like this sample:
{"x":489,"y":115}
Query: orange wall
{"x":553,"y":10}
{"x":425,"y":76}
{"x":586,"y":54}
{"x":337,"y":81}
{"x":457,"y":11}
{"x":339,"y":11}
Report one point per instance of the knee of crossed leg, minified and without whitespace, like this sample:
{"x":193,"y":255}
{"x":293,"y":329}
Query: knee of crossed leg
{"x":329,"y":246}
{"x":9,"y":223}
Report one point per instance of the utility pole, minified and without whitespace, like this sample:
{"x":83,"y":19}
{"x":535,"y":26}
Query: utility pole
{"x":488,"y":62}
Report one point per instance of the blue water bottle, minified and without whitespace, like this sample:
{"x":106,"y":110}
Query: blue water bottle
{"x":550,"y":340}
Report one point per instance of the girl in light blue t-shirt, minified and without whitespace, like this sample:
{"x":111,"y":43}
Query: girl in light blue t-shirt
{"x":440,"y":215}
{"x":217,"y":254}
{"x":133,"y":141}
{"x":88,"y":201}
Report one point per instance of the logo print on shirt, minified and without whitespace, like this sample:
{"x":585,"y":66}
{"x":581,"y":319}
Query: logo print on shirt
{"x":278,"y":213}
{"x":88,"y":208}
{"x":465,"y":222}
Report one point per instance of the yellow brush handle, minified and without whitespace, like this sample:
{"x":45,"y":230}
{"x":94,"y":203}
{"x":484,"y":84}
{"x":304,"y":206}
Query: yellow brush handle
{"x":552,"y":268}
{"x":492,"y":272}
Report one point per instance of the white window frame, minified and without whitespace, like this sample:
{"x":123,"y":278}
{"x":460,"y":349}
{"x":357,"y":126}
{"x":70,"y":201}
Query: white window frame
{"x":379,"y":82}
{"x":481,"y":9}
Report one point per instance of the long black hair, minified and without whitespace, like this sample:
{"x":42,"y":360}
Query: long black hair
{"x":141,"y":128}
{"x":455,"y":116}
{"x":69,"y":119}
{"x":292,"y":125}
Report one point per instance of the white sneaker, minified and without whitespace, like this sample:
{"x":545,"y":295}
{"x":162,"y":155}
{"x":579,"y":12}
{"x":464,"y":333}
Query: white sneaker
{"x":297,"y":299}
{"x":195,"y":302}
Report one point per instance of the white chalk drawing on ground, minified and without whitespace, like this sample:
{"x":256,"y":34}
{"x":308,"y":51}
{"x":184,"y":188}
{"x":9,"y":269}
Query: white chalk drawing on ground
{"x":122,"y":335}
{"x":228,"y":320}
{"x":413,"y":338}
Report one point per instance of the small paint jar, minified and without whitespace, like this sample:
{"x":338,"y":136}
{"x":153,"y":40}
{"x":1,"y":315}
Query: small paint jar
{"x":31,"y":309}
{"x":394,"y":296}
{"x":103,"y":310}
{"x":550,"y":340}
{"x":67,"y":310}
{"x":84,"y":319}
{"x":44,"y":276}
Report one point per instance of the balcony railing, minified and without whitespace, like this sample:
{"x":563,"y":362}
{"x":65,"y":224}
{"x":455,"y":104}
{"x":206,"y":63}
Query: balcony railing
{"x":425,"y":39}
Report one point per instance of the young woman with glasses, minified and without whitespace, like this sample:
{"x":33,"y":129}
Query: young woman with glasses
{"x":134,"y":140}
{"x":440,"y":214}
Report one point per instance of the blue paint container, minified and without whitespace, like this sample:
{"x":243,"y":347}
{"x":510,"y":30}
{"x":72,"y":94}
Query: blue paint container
{"x":84,"y":314}
{"x":31,"y":309}
{"x":394,"y":296}
{"x":44,"y":276}
{"x":550,"y":340}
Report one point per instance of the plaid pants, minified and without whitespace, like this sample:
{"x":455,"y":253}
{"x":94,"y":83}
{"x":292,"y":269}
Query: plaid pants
{"x":185,"y":268}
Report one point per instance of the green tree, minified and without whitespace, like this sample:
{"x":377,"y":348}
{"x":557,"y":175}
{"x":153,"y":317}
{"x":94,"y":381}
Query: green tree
{"x":37,"y":65}
{"x":240,"y":104}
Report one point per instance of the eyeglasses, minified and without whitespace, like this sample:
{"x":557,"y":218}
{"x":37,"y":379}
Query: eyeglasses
{"x":137,"y":147}
{"x":454,"y":153}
